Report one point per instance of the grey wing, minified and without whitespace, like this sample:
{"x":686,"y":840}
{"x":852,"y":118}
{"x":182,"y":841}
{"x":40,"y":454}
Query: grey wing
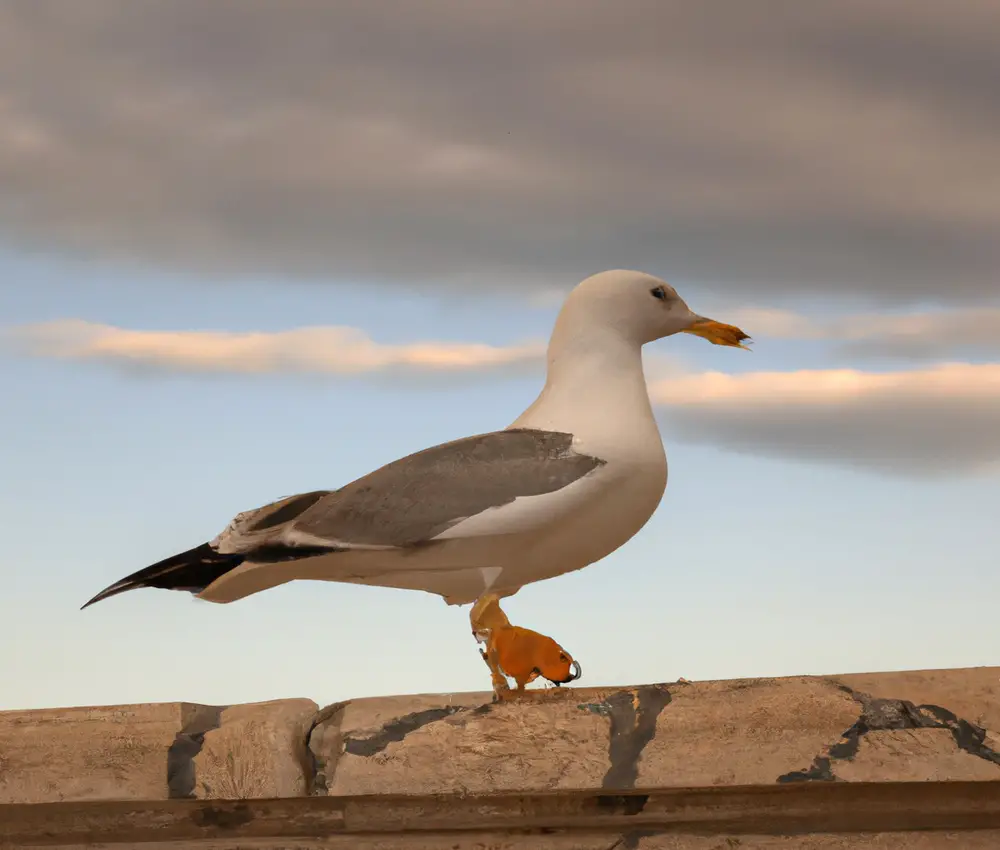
{"x":411,"y":500}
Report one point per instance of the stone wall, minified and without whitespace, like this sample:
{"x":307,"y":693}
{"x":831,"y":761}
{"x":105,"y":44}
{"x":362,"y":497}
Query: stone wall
{"x":928,"y":726}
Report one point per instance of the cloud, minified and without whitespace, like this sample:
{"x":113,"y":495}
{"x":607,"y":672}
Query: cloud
{"x":928,"y":422}
{"x":916,"y":336}
{"x":841,"y":147}
{"x":341,"y":351}
{"x":944,"y":419}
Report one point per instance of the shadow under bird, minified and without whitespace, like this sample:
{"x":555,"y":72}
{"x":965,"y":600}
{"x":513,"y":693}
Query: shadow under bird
{"x":569,"y":481}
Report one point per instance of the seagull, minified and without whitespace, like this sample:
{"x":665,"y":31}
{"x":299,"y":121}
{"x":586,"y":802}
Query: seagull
{"x":474,"y":520}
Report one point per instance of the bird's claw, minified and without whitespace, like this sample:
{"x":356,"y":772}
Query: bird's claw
{"x":501,"y":690}
{"x":520,"y":653}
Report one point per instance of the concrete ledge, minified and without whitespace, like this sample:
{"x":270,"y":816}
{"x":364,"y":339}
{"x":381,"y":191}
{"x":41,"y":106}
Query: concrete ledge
{"x":154,"y":751}
{"x":922,"y":725}
{"x":94,"y":753}
{"x":932,"y":726}
{"x":648,"y":819}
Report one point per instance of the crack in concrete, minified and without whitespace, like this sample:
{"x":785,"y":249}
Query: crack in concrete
{"x":187,"y":744}
{"x":632,"y":717}
{"x":318,"y":772}
{"x":878,"y":714}
{"x":396,"y":730}
{"x":969,"y":737}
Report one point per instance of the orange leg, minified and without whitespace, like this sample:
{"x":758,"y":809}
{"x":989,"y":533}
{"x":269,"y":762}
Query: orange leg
{"x":486,"y":617}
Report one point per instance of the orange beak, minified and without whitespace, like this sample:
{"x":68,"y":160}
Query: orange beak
{"x":718,"y":333}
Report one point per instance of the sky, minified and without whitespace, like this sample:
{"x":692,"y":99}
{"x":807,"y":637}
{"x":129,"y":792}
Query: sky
{"x":254,"y":249}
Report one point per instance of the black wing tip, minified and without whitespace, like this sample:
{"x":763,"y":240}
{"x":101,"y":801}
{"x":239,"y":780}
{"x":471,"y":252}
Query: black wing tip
{"x":108,"y":592}
{"x":192,"y":571}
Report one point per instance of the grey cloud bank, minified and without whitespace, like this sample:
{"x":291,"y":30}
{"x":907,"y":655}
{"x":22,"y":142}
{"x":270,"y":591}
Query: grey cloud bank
{"x":933,"y":422}
{"x":927,"y":335}
{"x":766,"y":149}
{"x":913,"y":437}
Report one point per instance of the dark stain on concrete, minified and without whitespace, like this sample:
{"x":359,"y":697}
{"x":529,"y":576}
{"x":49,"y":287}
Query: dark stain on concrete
{"x":223,"y":817}
{"x":630,"y":840}
{"x":969,"y":737}
{"x":322,"y":758}
{"x":622,"y":804}
{"x":878,"y":714}
{"x":187,"y":744}
{"x":820,"y":770}
{"x":632,"y":715}
{"x":396,"y":730}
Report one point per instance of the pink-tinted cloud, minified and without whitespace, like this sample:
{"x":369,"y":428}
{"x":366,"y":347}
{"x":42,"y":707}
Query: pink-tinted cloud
{"x":313,"y":350}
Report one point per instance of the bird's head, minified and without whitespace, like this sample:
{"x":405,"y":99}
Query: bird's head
{"x":643,"y":308}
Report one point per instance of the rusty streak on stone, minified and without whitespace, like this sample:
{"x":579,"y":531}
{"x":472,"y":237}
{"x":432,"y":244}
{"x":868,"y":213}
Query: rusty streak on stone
{"x":831,"y":807}
{"x":877,"y":715}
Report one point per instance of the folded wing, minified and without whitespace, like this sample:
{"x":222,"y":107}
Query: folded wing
{"x":413,"y":500}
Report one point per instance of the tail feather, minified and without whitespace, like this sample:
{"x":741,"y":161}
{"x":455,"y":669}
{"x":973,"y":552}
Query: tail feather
{"x":193,"y":571}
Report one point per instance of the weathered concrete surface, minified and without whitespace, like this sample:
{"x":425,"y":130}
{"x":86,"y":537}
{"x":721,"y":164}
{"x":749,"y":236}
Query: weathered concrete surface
{"x":258,"y":750}
{"x":986,"y":840}
{"x":155,"y":751}
{"x":844,"y":814}
{"x":923,"y":725}
{"x":980,"y":840}
{"x":931,"y":725}
{"x":878,"y":727}
{"x":461,"y":743}
{"x":743,"y":732}
{"x":120,"y":752}
{"x":971,"y":692}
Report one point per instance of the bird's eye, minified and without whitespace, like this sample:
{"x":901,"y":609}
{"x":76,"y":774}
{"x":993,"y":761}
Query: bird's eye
{"x":659,"y":292}
{"x":562,"y":656}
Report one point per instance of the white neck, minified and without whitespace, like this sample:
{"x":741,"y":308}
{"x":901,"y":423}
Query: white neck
{"x":595,"y":389}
